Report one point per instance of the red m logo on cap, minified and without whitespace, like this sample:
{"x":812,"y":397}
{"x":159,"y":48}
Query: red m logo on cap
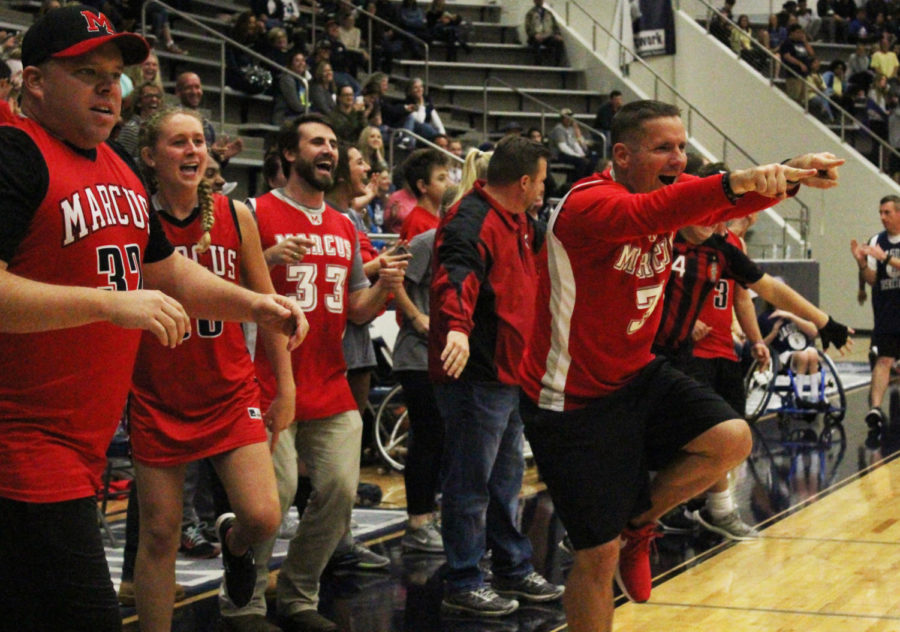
{"x":97,"y":21}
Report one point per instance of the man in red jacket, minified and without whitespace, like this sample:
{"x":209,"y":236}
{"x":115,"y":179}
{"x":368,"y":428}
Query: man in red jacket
{"x":603,"y":410}
{"x":482,"y":298}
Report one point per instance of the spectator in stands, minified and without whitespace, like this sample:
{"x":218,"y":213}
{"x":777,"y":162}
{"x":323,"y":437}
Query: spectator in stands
{"x":834,"y":84}
{"x":796,"y":54}
{"x":323,"y":90}
{"x":455,"y":169}
{"x":189,"y":91}
{"x":818,"y":103}
{"x":603,"y":121}
{"x":393,"y":112}
{"x":441,"y":140}
{"x":742,"y":43}
{"x":543,"y":35}
{"x":158,"y":18}
{"x":427,"y":176}
{"x":149,"y":101}
{"x":277,"y":46}
{"x":342,"y":61}
{"x":834,"y":24}
{"x":351,"y":37}
{"x":570,"y":147}
{"x":719,"y":23}
{"x":348,"y":118}
{"x":423,"y":118}
{"x":860,"y":30}
{"x":447,"y":27}
{"x":371,"y":146}
{"x":389,"y":43}
{"x":147,"y":71}
{"x":292,"y":95}
{"x":373,"y":216}
{"x":858,"y":71}
{"x":412,"y":19}
{"x":535,"y":134}
{"x":513,"y":128}
{"x":243,"y":71}
{"x":269,"y":12}
{"x":884,"y":61}
{"x":805,"y":18}
{"x":877,"y":110}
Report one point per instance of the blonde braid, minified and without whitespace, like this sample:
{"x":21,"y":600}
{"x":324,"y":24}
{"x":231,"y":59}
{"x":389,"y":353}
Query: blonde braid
{"x":207,"y":214}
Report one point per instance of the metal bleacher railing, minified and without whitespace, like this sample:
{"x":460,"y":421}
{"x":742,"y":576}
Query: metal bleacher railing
{"x":794,"y":230}
{"x":848,"y":122}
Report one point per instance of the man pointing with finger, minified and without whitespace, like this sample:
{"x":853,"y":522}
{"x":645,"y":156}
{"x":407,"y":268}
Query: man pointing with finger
{"x":601,"y":411}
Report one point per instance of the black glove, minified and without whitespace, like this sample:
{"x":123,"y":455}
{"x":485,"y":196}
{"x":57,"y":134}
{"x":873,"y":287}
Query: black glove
{"x":833,"y":333}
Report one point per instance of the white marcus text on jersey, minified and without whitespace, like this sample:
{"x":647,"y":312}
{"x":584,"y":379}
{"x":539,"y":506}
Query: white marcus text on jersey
{"x":330,"y":245}
{"x":635,"y":260}
{"x":99,"y":206}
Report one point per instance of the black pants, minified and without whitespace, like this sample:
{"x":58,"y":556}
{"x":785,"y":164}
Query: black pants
{"x":53,"y":570}
{"x":426,"y":441}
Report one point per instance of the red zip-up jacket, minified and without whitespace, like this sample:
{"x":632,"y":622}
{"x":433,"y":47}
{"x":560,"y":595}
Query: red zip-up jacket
{"x":484,"y":284}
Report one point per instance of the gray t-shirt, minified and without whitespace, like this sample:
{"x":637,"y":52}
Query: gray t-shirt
{"x":411,"y":348}
{"x":358,"y":351}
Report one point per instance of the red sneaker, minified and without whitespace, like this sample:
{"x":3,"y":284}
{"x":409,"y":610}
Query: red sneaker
{"x":633,"y":572}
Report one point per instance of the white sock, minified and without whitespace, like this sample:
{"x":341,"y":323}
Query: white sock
{"x":719,"y":504}
{"x":813,"y":387}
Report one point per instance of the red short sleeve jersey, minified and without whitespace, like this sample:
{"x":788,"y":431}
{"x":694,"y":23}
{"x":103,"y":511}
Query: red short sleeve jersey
{"x":320,"y":284}
{"x":417,"y":222}
{"x":62,"y":392}
{"x":200,"y":398}
{"x":718,"y":313}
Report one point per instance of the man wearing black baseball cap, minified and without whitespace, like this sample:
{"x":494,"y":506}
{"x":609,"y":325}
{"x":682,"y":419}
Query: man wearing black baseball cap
{"x":78,"y":244}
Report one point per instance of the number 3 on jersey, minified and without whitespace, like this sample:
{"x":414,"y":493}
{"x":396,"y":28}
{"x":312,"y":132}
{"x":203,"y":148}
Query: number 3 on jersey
{"x":305,"y":274}
{"x":646,"y":299}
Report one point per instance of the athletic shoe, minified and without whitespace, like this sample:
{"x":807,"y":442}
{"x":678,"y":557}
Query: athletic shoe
{"x":730,"y":526}
{"x":633,"y":572}
{"x":873,"y":439}
{"x":359,"y":557}
{"x":481,"y":601}
{"x":126,"y":593}
{"x":308,"y":621}
{"x":532,"y":587}
{"x":247,"y":623}
{"x":288,"y":528}
{"x":566,"y":545}
{"x":425,"y":539}
{"x":240,"y":571}
{"x":875,"y":418}
{"x":194,"y":543}
{"x":678,"y":520}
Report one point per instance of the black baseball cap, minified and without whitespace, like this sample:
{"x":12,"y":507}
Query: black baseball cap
{"x":75,"y":30}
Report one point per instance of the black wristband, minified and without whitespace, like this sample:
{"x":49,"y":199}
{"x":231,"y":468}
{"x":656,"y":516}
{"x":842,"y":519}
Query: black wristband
{"x":727,"y":190}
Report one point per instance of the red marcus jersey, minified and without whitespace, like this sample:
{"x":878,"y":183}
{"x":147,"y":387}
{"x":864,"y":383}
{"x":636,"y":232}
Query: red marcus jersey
{"x":200,"y":398}
{"x":602,"y":276}
{"x":718,"y":313}
{"x":320,"y":283}
{"x":78,"y":218}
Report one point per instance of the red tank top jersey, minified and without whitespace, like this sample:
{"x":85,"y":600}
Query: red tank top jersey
{"x":601,"y":277}
{"x":62,"y":392}
{"x":200,"y":398}
{"x":717,"y":312}
{"x":320,"y":284}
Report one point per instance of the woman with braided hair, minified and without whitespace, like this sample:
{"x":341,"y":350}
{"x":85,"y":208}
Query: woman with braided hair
{"x":201,"y":400}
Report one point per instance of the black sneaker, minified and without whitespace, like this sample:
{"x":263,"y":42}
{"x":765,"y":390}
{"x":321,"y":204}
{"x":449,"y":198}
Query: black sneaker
{"x":359,"y":557}
{"x":875,"y":418}
{"x":240,"y":571}
{"x":194,"y":543}
{"x":678,"y":521}
{"x":481,"y":601}
{"x":532,"y":587}
{"x":308,"y":621}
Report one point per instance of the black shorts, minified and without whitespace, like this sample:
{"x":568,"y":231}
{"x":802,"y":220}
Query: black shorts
{"x":888,"y":345}
{"x":724,"y":376}
{"x":596,"y":460}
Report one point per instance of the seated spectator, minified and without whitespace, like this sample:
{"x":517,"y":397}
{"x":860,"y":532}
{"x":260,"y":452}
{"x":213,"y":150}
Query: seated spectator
{"x":158,"y":18}
{"x":149,"y":100}
{"x":348,"y":118}
{"x":269,"y":12}
{"x":543,"y":34}
{"x":877,"y":110}
{"x":323,"y":90}
{"x":277,"y":46}
{"x":796,"y":54}
{"x":884,"y":61}
{"x":858,"y":71}
{"x":742,"y":44}
{"x":292,"y":95}
{"x":833,"y":23}
{"x":860,"y":30}
{"x":807,"y":19}
{"x":351,"y":37}
{"x":243,"y":72}
{"x":412,"y":20}
{"x":605,"y":115}
{"x":569,"y":146}
{"x":513,"y":128}
{"x":342,"y":62}
{"x":371,"y":146}
{"x":146,"y":71}
{"x":447,"y":27}
{"x":442,"y":141}
{"x":388,"y":43}
{"x":189,"y":91}
{"x":719,"y":23}
{"x":818,"y":103}
{"x":834,"y":84}
{"x":455,"y":169}
{"x":423,"y":118}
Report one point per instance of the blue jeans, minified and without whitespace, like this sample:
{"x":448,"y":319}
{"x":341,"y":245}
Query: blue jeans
{"x":425,"y":130}
{"x":481,"y":478}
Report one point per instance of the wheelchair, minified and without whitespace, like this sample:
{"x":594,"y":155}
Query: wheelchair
{"x":386,"y":411}
{"x":774,"y":388}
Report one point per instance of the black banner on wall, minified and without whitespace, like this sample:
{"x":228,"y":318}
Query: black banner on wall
{"x":654,"y":30}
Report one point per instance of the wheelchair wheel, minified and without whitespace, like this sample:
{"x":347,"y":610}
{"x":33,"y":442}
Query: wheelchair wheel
{"x":759,"y":384}
{"x":834,"y":390}
{"x":392,"y":429}
{"x":832,"y":434}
